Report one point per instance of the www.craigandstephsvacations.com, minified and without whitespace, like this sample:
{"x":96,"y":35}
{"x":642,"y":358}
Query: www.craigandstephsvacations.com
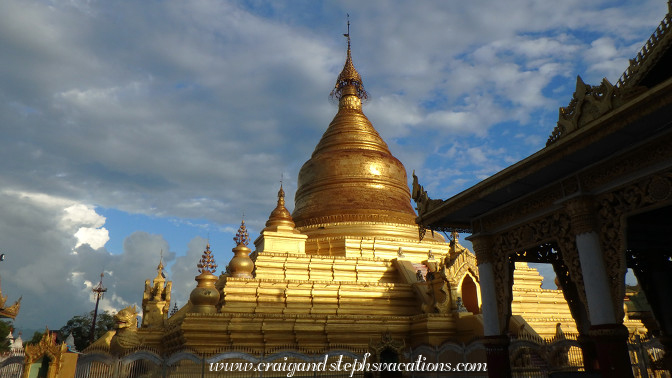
{"x":420,"y":365}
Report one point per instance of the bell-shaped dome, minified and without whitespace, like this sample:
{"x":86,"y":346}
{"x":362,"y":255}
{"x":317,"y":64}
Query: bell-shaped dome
{"x":351,"y":175}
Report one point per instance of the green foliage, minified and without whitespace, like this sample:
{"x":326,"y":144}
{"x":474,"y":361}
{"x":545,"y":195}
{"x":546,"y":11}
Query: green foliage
{"x":5,"y":327}
{"x":37,"y":336}
{"x":80,"y":327}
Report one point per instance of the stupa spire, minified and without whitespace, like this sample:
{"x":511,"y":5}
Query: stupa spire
{"x":280,"y":216}
{"x":205,"y":296}
{"x":349,"y":82}
{"x":207,"y":262}
{"x":160,"y":276}
{"x":241,"y":265}
{"x":242,"y":237}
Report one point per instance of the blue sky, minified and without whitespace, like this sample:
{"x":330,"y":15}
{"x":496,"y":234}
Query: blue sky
{"x":130,"y":128}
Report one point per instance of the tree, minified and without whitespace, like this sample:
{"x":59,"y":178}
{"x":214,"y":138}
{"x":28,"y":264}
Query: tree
{"x":5,"y":327}
{"x":80,"y":327}
{"x":37,"y":336}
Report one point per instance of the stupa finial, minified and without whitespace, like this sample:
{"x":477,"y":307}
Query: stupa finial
{"x":242,"y":237}
{"x":207,"y":262}
{"x":280,"y":216}
{"x":349,"y":77}
{"x":159,"y":269}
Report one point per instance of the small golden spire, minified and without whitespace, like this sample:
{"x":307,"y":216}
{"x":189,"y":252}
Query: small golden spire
{"x":160,"y":276}
{"x":207,"y":262}
{"x":241,"y":265}
{"x":280,"y":216}
{"x":349,"y":77}
{"x":160,"y":266}
{"x":205,"y":296}
{"x":242,"y":237}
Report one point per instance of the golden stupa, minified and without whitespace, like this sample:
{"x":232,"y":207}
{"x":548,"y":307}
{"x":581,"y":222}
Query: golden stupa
{"x":346,"y":270}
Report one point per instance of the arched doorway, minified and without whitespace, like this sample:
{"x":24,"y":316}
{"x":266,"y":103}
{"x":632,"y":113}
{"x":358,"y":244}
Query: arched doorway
{"x":39,"y":368}
{"x":470,"y":294}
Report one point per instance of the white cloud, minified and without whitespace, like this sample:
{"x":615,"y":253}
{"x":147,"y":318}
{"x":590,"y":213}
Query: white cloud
{"x":40,"y":231}
{"x":95,"y":237}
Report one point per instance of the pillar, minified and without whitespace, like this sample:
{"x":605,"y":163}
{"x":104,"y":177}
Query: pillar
{"x":570,"y":290}
{"x":496,"y":341}
{"x":607,"y":331}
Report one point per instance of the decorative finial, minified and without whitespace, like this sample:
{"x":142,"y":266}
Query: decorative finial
{"x":205,"y":296}
{"x":349,"y":77}
{"x":348,"y":34}
{"x":242,"y":237}
{"x":207,"y":262}
{"x":160,"y":276}
{"x":280,"y":216}
{"x":281,"y":193}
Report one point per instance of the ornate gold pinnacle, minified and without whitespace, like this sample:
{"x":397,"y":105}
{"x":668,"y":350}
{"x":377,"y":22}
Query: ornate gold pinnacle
{"x":207,"y":263}
{"x":242,"y":237}
{"x":349,"y":77}
{"x":160,"y":267}
{"x":280,"y":216}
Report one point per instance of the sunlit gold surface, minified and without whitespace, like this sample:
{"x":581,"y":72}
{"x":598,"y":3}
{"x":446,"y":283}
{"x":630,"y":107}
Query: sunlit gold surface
{"x":352,"y":172}
{"x":156,"y":299}
{"x":280,"y":216}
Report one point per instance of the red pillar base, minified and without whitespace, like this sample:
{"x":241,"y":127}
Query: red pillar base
{"x":497,"y":349}
{"x":611,"y":343}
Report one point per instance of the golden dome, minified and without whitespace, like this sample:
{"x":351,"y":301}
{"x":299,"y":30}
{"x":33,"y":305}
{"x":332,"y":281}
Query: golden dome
{"x":351,"y":175}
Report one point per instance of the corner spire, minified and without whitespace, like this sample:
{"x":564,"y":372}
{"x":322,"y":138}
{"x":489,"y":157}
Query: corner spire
{"x":242,"y":237}
{"x":280,"y":216}
{"x":159,"y":268}
{"x":349,"y":81}
{"x":205,"y":296}
{"x":207,"y":262}
{"x":241,"y":265}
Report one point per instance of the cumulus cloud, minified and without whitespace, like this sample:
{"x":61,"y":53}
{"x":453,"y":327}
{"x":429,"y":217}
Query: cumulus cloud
{"x":40,"y":233}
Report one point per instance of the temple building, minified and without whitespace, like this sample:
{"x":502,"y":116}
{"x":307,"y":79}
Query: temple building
{"x":349,"y":269}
